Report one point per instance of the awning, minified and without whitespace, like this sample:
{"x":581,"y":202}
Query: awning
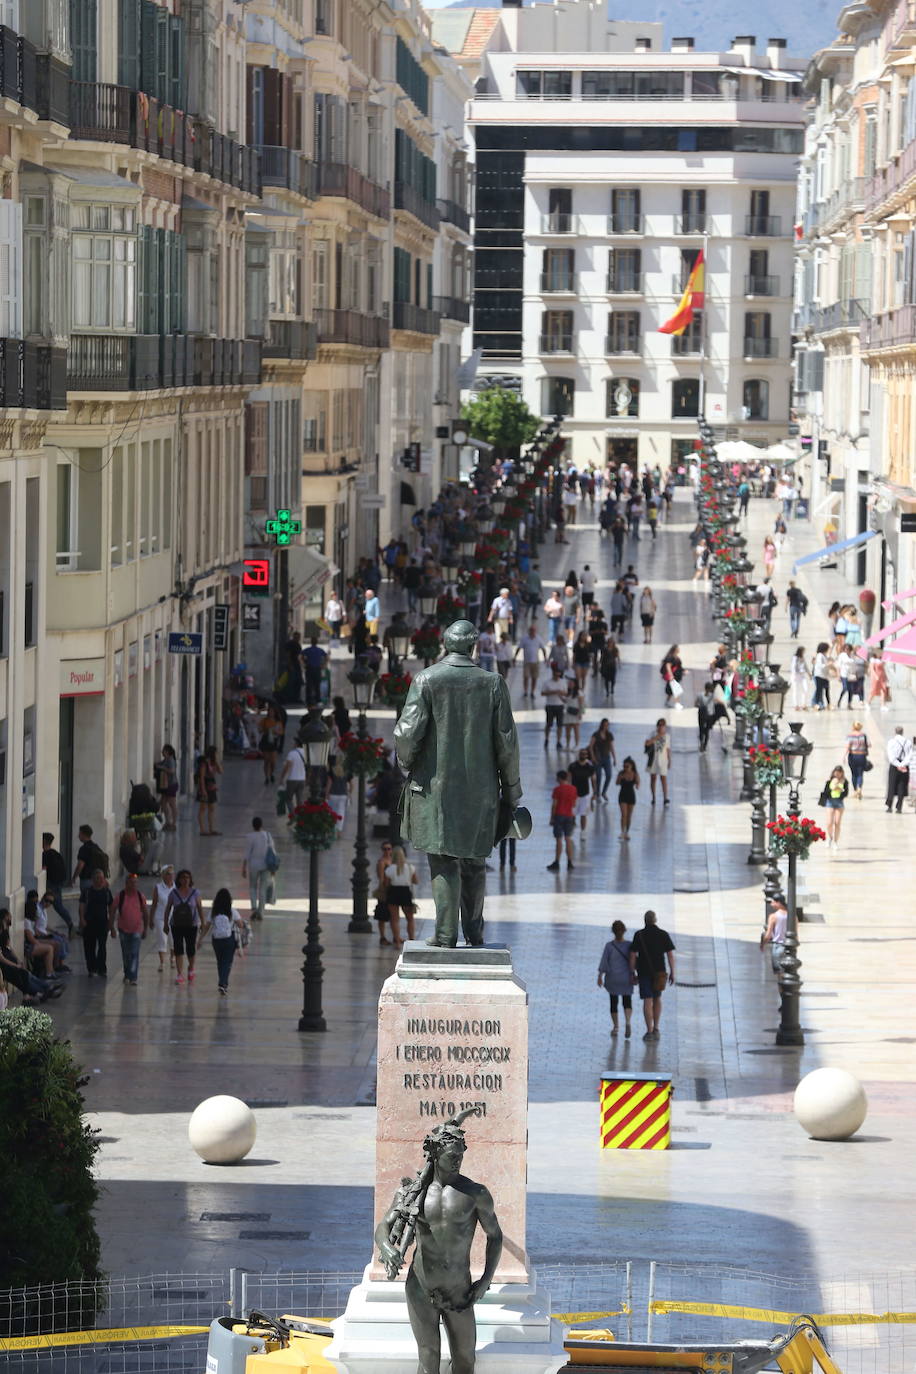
{"x":903,"y":650}
{"x":832,"y":549}
{"x":308,"y":572}
{"x":760,"y":71}
{"x":891,"y":628}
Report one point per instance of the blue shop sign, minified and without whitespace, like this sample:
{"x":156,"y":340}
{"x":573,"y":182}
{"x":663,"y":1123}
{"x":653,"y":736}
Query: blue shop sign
{"x":182,"y":642}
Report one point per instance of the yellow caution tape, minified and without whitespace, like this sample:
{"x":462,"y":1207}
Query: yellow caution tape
{"x":569,"y":1317}
{"x":764,"y":1314}
{"x":112,"y":1335}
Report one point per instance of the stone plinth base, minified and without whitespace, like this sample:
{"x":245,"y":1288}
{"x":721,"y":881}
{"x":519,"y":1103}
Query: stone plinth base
{"x":515,"y":1332}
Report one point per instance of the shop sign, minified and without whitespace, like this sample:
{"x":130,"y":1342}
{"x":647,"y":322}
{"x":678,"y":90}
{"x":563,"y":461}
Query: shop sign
{"x":82,"y":677}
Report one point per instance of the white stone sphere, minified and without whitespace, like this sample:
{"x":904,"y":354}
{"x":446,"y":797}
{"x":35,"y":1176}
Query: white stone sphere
{"x":222,"y":1130}
{"x":830,"y":1104}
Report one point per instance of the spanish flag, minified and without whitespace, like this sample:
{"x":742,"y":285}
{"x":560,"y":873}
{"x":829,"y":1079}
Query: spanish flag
{"x":691,"y":300}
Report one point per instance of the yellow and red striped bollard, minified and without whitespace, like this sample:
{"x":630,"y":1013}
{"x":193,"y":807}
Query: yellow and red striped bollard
{"x":635,"y":1111}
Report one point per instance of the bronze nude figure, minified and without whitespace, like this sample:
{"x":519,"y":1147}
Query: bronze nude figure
{"x":439,"y":1210}
{"x":456,"y":740}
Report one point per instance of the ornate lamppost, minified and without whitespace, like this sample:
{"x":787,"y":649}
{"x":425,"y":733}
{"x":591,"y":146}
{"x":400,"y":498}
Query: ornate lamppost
{"x":362,"y":680}
{"x":315,"y":742}
{"x":772,"y":691}
{"x":795,"y":750}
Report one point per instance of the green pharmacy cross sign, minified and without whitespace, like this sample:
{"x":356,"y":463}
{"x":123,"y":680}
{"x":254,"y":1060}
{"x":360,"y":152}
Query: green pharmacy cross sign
{"x":284,"y":527}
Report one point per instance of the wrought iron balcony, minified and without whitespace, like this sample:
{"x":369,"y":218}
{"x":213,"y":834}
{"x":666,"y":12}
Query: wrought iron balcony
{"x":760,"y":348}
{"x":453,"y":308}
{"x":624,"y":284}
{"x":415,"y":318}
{"x":559,"y":222}
{"x":615,"y":344}
{"x":452,"y":213}
{"x":558,"y":283}
{"x":116,"y":114}
{"x":291,"y":339}
{"x":625,"y":222}
{"x":555,"y":343}
{"x":151,"y":362}
{"x":33,"y":376}
{"x":339,"y":179}
{"x":351,"y":327}
{"x":694,"y":223}
{"x":763,"y":226}
{"x":290,"y":169}
{"x":408,"y":198}
{"x":761,"y":286}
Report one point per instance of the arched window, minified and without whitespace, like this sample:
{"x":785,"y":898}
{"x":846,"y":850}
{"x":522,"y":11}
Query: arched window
{"x":756,"y":399}
{"x":616,"y":403}
{"x":685,"y":398}
{"x":557,"y":395}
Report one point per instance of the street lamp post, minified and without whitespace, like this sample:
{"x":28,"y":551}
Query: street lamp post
{"x":795,"y":750}
{"x":772,"y":689}
{"x":362,"y":680}
{"x":315,"y":741}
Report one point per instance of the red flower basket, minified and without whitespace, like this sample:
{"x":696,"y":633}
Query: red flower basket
{"x":314,"y":825}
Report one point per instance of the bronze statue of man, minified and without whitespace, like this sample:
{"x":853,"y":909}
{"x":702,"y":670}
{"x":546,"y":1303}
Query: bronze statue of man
{"x":456,"y":740}
{"x":440,"y":1210}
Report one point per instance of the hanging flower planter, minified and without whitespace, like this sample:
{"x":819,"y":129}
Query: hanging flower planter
{"x":487,"y":555}
{"x":314,"y":825}
{"x":362,"y":757}
{"x":767,"y":764}
{"x":449,"y":609}
{"x":392,"y":688}
{"x":426,"y":643}
{"x":793,"y":835}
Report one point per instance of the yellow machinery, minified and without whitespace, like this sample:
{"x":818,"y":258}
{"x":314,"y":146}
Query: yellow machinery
{"x":800,"y":1350}
{"x":267,"y":1345}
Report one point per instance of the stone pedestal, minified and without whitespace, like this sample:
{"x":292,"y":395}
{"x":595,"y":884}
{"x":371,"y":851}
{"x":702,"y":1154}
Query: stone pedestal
{"x":515,"y":1333}
{"x":452,"y":1033}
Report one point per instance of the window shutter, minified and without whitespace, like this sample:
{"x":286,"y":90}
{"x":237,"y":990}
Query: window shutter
{"x":129,"y":43}
{"x":163,"y":55}
{"x":83,"y":39}
{"x":178,"y":41}
{"x":148,"y":58}
{"x":272,"y":111}
{"x":142,"y":279}
{"x":10,"y":270}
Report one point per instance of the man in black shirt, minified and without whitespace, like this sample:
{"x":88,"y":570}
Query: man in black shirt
{"x":581,"y":773}
{"x":55,"y":876}
{"x":797,"y":603}
{"x":647,"y":960}
{"x":94,"y":913}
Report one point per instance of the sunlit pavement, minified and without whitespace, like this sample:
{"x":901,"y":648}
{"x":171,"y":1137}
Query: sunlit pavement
{"x":742,"y":1183}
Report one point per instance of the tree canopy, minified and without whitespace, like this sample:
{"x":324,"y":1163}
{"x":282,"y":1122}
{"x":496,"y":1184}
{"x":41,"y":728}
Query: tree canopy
{"x":501,"y":418}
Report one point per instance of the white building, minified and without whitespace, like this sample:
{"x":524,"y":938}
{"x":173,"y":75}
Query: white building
{"x":604,"y":166}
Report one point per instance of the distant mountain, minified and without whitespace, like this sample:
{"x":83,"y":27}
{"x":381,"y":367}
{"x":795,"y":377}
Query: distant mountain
{"x":714,"y":23}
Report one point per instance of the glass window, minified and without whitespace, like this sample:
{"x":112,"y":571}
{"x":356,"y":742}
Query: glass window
{"x":104,"y":288}
{"x":685,"y":398}
{"x":557,"y":85}
{"x":622,"y":396}
{"x":623,"y":331}
{"x":557,"y":395}
{"x":756,"y":399}
{"x":528,"y":83}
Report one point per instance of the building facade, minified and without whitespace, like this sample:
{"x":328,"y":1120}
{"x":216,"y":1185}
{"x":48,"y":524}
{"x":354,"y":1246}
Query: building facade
{"x":604,"y":166}
{"x":197,"y":261}
{"x":855,"y":308}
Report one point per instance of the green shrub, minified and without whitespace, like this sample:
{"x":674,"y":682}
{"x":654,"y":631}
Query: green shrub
{"x":47,"y":1229}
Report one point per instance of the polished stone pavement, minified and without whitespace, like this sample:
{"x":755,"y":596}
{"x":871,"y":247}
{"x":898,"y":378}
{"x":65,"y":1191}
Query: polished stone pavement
{"x":742,"y":1183}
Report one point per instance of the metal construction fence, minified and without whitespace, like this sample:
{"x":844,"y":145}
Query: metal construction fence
{"x":159,"y":1322}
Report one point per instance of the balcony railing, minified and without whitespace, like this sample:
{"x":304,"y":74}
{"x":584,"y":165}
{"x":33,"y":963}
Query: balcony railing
{"x":760,"y":348}
{"x":53,"y":77}
{"x":559,"y":223}
{"x":624,"y":224}
{"x":291,"y":339}
{"x":408,"y":198}
{"x":839,"y":315}
{"x":555,"y":343}
{"x":558,"y":283}
{"x":624,"y":283}
{"x":115,"y":114}
{"x":453,"y":308}
{"x":891,"y":178}
{"x":450,"y":212}
{"x":763,"y":226}
{"x":290,"y":169}
{"x":339,"y":179}
{"x":692,"y":223}
{"x":150,"y":362}
{"x":350,"y":327}
{"x":761,"y":286}
{"x":890,"y":329}
{"x":19,"y":71}
{"x":33,"y":376}
{"x":415,"y":317}
{"x":616,"y":344}
{"x":685,"y":346}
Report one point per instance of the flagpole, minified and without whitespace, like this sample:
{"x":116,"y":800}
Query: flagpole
{"x":702,"y":397}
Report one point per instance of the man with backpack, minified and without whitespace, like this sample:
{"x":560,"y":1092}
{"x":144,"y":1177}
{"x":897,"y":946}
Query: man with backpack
{"x":52,"y":861}
{"x":129,"y":919}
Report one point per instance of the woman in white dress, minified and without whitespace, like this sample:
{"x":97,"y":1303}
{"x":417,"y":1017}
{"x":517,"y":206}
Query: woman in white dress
{"x":161,"y":894}
{"x":800,"y":679}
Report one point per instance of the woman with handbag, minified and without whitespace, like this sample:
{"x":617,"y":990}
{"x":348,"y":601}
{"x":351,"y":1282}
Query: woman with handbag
{"x":226,"y":925}
{"x":672,"y":671}
{"x":258,"y":866}
{"x":381,"y":906}
{"x":833,"y":797}
{"x":856,"y":756}
{"x":658,"y":759}
{"x":614,"y":975}
{"x":400,"y":879}
{"x":208,"y":770}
